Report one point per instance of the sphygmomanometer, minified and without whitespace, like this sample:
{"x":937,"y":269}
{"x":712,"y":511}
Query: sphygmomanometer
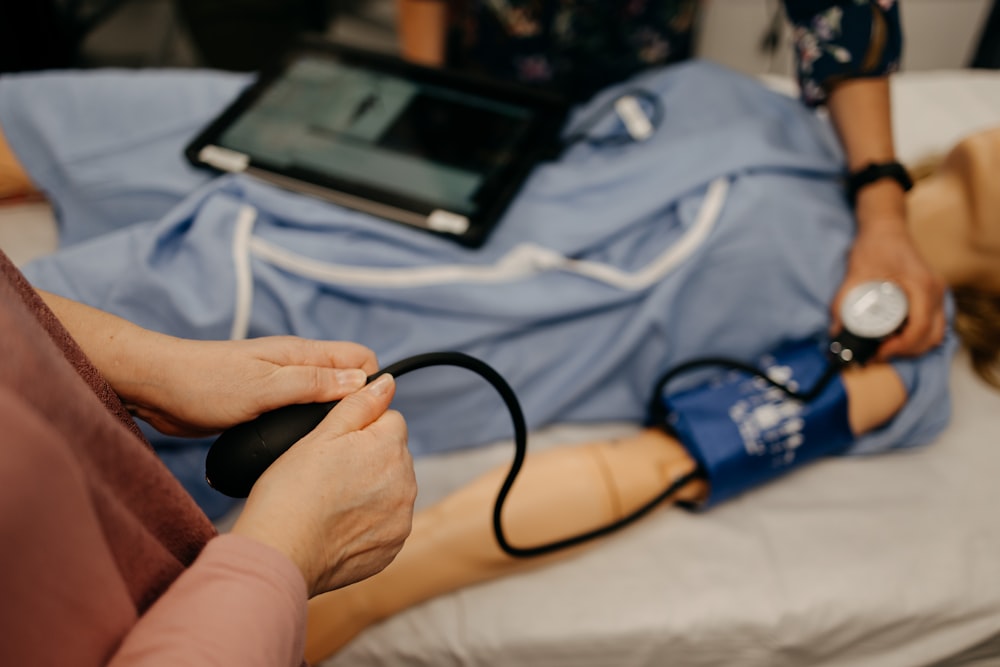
{"x":754,"y":423}
{"x":744,"y":427}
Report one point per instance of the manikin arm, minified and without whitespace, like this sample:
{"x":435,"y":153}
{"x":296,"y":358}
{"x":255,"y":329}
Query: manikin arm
{"x":14,"y":181}
{"x":579,"y":487}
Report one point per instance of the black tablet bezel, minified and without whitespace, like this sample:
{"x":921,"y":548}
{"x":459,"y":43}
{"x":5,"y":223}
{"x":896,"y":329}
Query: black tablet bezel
{"x":540,"y":141}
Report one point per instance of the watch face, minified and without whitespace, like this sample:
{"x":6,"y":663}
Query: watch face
{"x":874,"y":309}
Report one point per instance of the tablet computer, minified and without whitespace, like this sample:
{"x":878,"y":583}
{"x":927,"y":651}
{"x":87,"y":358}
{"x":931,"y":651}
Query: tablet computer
{"x":435,"y":149}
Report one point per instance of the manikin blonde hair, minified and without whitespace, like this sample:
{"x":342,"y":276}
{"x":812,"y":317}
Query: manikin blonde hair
{"x":977,"y":323}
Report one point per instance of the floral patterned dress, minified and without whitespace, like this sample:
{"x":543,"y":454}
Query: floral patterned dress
{"x":580,"y":46}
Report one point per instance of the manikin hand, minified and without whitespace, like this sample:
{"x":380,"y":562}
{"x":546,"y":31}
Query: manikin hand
{"x":339,"y":502}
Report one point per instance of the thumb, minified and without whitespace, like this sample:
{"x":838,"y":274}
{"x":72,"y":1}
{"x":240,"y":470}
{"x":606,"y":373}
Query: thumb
{"x":358,"y":410}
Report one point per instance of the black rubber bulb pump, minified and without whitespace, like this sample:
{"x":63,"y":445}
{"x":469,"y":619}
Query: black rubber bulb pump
{"x":240,"y":455}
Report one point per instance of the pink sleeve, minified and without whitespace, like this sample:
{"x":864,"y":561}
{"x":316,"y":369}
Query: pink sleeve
{"x":240,"y":603}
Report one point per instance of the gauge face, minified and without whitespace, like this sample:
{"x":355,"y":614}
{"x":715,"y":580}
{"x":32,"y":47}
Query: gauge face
{"x":874,"y":309}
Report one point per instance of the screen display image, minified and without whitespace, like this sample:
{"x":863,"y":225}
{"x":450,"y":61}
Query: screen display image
{"x":429,"y":142}
{"x":430,"y":148}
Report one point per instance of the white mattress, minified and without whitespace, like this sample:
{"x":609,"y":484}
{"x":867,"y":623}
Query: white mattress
{"x":887,"y":561}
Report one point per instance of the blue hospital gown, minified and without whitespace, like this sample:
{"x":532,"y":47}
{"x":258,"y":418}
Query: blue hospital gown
{"x":724,"y":234}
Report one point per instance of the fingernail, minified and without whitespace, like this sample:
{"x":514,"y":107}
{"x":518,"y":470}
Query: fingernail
{"x":351,"y":377}
{"x":381,"y":384}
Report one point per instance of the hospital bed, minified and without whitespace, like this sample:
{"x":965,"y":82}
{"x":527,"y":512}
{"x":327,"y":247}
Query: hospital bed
{"x":891,"y":560}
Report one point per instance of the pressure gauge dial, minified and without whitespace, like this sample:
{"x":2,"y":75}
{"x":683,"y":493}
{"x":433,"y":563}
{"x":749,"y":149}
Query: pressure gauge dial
{"x":870,"y":313}
{"x":874,"y":309}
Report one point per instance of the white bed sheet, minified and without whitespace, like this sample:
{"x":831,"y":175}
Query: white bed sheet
{"x":886,"y":561}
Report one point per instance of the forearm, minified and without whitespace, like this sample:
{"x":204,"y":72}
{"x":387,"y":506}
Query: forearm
{"x":123,"y":352}
{"x":875,"y":393}
{"x":845,"y":53}
{"x":422,"y":27}
{"x":861,"y":114}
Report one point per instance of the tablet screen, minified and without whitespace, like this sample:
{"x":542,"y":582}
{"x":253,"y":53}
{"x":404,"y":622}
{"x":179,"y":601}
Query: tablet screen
{"x":411,"y":140}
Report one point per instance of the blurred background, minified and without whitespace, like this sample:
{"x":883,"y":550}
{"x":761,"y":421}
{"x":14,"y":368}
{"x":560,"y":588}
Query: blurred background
{"x":244,"y":34}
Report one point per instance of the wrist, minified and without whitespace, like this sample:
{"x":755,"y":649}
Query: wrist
{"x":887,"y":178}
{"x":882,"y":205}
{"x":249,"y":526}
{"x":136,"y":367}
{"x":117,"y":347}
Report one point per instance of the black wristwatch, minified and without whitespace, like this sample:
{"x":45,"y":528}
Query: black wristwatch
{"x":876,"y":171}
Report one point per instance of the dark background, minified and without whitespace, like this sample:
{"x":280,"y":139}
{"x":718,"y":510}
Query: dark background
{"x":227,"y":34}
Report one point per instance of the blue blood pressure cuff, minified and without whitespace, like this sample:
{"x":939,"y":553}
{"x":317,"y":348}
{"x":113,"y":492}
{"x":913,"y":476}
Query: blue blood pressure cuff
{"x":744,"y":431}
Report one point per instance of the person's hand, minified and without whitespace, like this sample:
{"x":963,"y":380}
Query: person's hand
{"x":194,"y":388}
{"x":339,"y":502}
{"x":886,"y":252}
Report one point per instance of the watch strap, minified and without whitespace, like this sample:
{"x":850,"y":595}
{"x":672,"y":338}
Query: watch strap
{"x":873,"y":172}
